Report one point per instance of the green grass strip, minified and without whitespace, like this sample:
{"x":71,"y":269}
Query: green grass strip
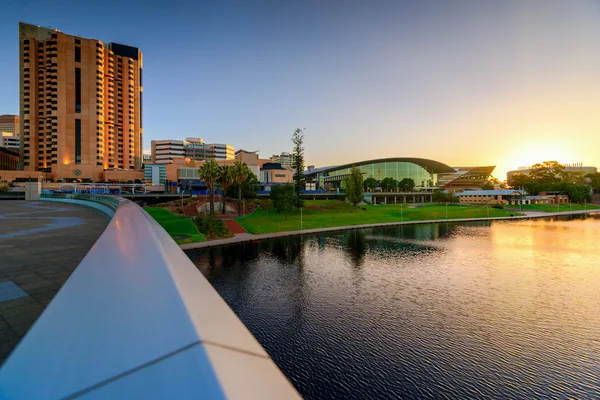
{"x":181,"y":229}
{"x":331,"y":213}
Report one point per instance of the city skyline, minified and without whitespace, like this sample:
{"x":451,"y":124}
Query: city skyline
{"x":506,"y":84}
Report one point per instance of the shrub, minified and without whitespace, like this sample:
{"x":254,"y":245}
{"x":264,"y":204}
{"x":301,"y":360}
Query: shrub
{"x":212,"y":228}
{"x":265,"y":204}
{"x":498,"y":206}
{"x":3,"y":187}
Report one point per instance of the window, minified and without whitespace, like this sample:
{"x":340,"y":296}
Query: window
{"x":77,"y":41}
{"x":77,"y":141}
{"x":77,"y":54}
{"x":78,"y":90}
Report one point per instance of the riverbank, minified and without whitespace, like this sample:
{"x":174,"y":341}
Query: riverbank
{"x":180,"y":228}
{"x":256,"y":238}
{"x":333,"y":213}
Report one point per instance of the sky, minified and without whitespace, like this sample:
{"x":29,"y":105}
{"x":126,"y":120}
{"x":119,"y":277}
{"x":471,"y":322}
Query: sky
{"x":465,"y":82}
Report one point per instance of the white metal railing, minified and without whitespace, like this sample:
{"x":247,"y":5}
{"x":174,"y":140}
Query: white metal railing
{"x":137,"y":319}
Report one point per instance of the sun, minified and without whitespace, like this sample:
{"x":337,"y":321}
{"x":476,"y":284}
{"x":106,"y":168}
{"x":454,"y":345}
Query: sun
{"x":537,"y":151}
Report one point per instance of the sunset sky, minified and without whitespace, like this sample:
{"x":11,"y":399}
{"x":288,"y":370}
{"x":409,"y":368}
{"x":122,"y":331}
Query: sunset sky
{"x":482,"y":82}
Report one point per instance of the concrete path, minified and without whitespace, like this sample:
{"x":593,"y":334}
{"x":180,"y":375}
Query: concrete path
{"x":41,"y":243}
{"x":252,"y":238}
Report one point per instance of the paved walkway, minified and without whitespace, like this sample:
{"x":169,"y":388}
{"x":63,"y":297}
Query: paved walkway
{"x":252,"y":238}
{"x":234,"y":227}
{"x":41,"y":243}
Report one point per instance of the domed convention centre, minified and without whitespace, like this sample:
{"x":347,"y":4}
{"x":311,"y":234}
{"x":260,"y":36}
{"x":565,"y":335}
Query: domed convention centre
{"x":427,"y":174}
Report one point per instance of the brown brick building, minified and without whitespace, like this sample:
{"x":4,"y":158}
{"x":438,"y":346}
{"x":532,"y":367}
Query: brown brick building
{"x":10,"y":123}
{"x":81,"y":104}
{"x":8,"y":159}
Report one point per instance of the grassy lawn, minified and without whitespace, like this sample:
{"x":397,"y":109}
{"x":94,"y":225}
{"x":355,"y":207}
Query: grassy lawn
{"x":181,"y":229}
{"x":555,"y":208}
{"x":329,"y":213}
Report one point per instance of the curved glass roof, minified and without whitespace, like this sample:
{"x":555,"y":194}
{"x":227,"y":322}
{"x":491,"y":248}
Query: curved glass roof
{"x":430,"y":165}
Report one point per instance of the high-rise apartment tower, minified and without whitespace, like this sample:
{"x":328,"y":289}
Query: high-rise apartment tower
{"x":81,"y":104}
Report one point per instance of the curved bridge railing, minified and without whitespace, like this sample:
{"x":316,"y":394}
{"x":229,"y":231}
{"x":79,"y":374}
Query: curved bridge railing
{"x":137,"y":319}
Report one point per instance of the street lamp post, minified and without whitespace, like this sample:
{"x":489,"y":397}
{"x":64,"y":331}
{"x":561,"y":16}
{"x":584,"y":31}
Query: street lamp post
{"x":446,"y":210}
{"x":301,"y":222}
{"x":401,"y":218}
{"x":558,"y":202}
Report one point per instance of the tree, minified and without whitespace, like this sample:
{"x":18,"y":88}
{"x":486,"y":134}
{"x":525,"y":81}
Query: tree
{"x":225,"y":180}
{"x":491,"y":183}
{"x":576,"y":177}
{"x":594,"y":181}
{"x":547,"y":172}
{"x":298,"y":163}
{"x":519,"y":180}
{"x":249,"y":188}
{"x":284,"y":197}
{"x":451,"y":198}
{"x":370,"y":183}
{"x":4,"y":188}
{"x":439,"y":196}
{"x":388,"y":184}
{"x":354,"y":186}
{"x":406,"y":184}
{"x":209,"y":172}
{"x":240,"y":173}
{"x":488,"y":185}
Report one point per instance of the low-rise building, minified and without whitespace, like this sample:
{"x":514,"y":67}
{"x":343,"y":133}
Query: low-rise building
{"x":555,"y":197}
{"x":537,"y":200}
{"x":465,"y":178}
{"x":155,"y":174}
{"x":250,"y":158}
{"x":164,"y":151}
{"x":222,"y":151}
{"x":9,"y":141}
{"x":10,"y":124}
{"x":285,"y":159}
{"x":504,"y":196}
{"x":274,"y":174}
{"x":9,"y":159}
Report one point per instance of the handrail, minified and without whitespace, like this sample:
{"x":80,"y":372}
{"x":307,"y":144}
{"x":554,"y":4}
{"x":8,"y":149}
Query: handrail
{"x":137,"y":319}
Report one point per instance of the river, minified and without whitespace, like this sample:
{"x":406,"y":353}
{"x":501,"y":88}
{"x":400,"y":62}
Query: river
{"x":458,"y":310}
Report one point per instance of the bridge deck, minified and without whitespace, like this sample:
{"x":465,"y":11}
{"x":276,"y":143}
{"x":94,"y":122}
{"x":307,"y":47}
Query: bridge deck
{"x":40,"y":246}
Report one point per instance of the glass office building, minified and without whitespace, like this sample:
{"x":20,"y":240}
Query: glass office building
{"x":422,"y":171}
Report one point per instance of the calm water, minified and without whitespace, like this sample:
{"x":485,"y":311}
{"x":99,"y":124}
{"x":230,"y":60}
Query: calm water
{"x":507,"y":310}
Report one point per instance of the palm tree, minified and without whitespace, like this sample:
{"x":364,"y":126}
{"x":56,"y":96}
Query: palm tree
{"x":209,"y":172}
{"x":225,"y":180}
{"x":240,"y":173}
